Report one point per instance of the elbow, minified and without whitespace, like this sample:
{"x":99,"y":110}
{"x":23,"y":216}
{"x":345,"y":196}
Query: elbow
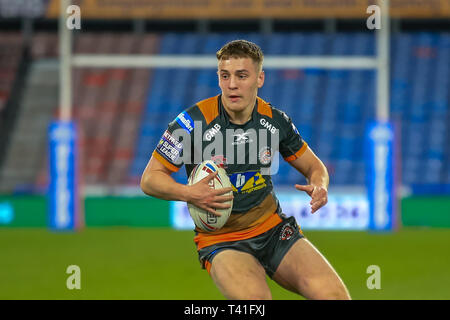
{"x":145,"y":184}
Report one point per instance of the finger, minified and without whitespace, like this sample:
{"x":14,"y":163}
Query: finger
{"x":315,"y":198}
{"x":220,"y":205}
{"x":210,"y":176}
{"x":319,"y":198}
{"x":302,"y":187}
{"x":319,"y":192}
{"x":323,"y":199}
{"x":223,"y":190}
{"x":214,"y":212}
{"x":318,"y":201}
{"x":223,"y":198}
{"x":318,"y":205}
{"x":315,"y":208}
{"x":307,"y":188}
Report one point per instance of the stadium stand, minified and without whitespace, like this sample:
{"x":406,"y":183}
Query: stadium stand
{"x":108,"y":106}
{"x":10,"y":53}
{"x":13,"y":71}
{"x":321,"y":102}
{"x":123,"y":112}
{"x":10,"y":65}
{"x":29,"y":138}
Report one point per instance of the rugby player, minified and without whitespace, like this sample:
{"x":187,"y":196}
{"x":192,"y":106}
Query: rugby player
{"x":258,"y":239}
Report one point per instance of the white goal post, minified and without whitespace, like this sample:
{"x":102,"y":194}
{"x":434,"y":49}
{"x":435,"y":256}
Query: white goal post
{"x":381,"y":193}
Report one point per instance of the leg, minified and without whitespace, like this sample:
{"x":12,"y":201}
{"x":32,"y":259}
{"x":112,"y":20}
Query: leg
{"x":305,"y":271}
{"x":239,"y":276}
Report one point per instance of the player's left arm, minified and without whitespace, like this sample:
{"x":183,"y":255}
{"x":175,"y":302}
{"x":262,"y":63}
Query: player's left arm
{"x":317,"y":176}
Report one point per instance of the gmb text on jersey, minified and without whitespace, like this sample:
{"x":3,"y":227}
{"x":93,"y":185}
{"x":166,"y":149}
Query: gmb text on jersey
{"x":191,"y":144}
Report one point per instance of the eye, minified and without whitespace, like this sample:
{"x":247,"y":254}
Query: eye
{"x":224,"y":76}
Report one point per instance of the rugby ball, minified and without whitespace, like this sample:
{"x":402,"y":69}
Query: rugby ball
{"x":203,"y":219}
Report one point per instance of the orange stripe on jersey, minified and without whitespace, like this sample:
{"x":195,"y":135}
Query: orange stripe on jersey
{"x":203,"y":240}
{"x":166,"y":163}
{"x":298,"y":153}
{"x":208,"y":266}
{"x":264,"y":108}
{"x":209,"y":108}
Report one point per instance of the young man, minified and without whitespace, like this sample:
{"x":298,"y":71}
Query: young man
{"x":257,"y":238}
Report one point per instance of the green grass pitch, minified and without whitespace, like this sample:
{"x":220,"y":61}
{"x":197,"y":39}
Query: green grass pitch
{"x":149,"y":263}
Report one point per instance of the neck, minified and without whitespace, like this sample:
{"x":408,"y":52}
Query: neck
{"x":240,"y":117}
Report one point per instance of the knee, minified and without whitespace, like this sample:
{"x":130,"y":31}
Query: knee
{"x":318,"y":290}
{"x":252,"y":292}
{"x":262,"y":295}
{"x":337,"y":294}
{"x":254,"y":295}
{"x":338,"y":291}
{"x":239,"y":289}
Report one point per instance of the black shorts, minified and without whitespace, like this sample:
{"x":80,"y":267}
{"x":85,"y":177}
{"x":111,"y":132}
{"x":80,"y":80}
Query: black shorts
{"x":268,"y":248}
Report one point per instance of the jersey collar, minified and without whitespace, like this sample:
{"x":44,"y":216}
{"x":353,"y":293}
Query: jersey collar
{"x":224,"y":118}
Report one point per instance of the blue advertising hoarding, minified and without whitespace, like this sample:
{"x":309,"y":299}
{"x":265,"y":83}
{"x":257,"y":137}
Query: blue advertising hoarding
{"x":63,"y":194}
{"x":344,"y":211}
{"x":380,"y":175}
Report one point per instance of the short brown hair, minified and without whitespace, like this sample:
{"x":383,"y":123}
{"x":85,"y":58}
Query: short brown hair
{"x":241,"y":49}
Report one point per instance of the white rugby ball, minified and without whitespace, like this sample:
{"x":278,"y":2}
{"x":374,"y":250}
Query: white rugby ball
{"x":203,"y":219}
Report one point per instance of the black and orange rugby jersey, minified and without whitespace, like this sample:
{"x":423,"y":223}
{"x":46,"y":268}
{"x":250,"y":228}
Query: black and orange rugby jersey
{"x":204,"y":132}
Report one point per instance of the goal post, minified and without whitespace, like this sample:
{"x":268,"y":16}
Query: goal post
{"x":378,"y":63}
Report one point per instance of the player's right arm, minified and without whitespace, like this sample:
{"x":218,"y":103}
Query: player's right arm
{"x":156,"y":181}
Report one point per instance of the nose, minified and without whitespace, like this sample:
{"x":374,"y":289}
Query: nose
{"x":232,"y":84}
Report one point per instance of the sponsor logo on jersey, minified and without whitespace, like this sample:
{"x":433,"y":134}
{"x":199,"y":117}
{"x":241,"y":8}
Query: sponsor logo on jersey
{"x":209,"y":134}
{"x":169,"y":147}
{"x":241,"y":138}
{"x":265,"y":155}
{"x":286,"y":232}
{"x":185,"y":121}
{"x":266,"y":124}
{"x":247,"y":182}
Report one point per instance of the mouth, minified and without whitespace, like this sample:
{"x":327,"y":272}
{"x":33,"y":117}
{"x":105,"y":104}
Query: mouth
{"x":234,"y":98}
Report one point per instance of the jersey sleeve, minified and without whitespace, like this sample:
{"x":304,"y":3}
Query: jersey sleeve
{"x":175,"y":142}
{"x":292,"y":144}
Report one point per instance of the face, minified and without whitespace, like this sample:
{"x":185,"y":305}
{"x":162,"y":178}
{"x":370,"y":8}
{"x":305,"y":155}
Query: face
{"x":239,"y":79}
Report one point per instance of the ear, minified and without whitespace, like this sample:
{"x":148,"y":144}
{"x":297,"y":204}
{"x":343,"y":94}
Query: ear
{"x":261,"y":77}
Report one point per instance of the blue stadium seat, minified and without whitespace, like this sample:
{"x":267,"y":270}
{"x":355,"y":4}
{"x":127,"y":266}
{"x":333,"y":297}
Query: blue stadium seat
{"x":330,"y":108}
